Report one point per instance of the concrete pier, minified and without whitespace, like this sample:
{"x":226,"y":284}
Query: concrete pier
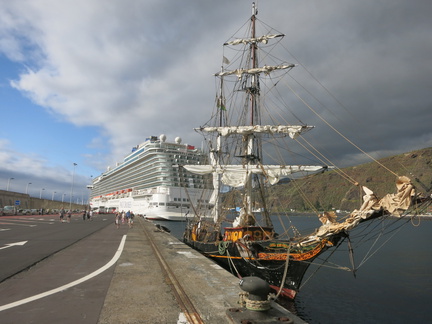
{"x":158,"y":279}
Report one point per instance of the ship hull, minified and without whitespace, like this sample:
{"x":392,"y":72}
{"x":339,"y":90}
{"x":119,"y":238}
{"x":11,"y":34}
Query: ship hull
{"x":143,"y":207}
{"x":154,"y":203}
{"x":241,"y":261}
{"x":166,"y":215}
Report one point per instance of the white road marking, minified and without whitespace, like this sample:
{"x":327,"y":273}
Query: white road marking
{"x":13,"y":244}
{"x":17,"y":224}
{"x":69,"y":285}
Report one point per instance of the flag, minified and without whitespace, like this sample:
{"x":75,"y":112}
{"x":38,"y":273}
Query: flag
{"x":225,"y":60}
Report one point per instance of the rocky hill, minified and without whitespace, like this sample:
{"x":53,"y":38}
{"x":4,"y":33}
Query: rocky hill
{"x":329,"y":190}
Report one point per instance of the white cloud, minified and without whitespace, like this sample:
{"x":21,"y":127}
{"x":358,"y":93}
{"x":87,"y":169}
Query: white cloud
{"x":117,"y":67}
{"x":140,"y":68}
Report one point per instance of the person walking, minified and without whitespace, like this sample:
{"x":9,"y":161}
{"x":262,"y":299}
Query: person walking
{"x":128,"y":214}
{"x":117,"y":220}
{"x":61,"y":214}
{"x":69,"y":215}
{"x":84,"y":215}
{"x":131,"y":217}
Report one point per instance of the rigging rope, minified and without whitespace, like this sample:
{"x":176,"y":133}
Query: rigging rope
{"x":339,"y":133}
{"x":189,"y":199}
{"x":322,"y":265}
{"x":304,"y":196}
{"x":319,"y":116}
{"x":232,"y":263}
{"x":285,"y":272}
{"x":326,"y":160}
{"x":367,"y":256}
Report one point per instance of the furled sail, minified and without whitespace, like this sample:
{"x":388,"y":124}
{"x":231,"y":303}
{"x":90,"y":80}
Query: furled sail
{"x":292,"y":131}
{"x":265,"y":69}
{"x":237,"y":175}
{"x":263,"y":39}
{"x":394,"y":204}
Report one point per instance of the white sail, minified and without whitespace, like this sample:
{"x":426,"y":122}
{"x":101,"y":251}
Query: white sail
{"x":263,"y":39}
{"x":237,"y":175}
{"x":265,"y":69}
{"x":292,"y":131}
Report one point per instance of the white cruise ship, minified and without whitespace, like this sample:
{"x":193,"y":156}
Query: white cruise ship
{"x":151,"y":182}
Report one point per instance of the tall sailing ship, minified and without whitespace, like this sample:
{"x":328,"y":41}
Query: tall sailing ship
{"x":246,"y":139}
{"x":151,"y":183}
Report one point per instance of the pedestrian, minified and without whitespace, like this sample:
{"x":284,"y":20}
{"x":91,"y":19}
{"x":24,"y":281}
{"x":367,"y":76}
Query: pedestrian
{"x":127,"y":215}
{"x":88,"y":215}
{"x":123,"y":215}
{"x":84,"y":215}
{"x":131,"y":217}
{"x":117,"y":220}
{"x":61,"y":214}
{"x":69,"y":215}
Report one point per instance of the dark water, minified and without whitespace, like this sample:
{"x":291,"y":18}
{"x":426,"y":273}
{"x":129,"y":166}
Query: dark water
{"x":392,"y":286}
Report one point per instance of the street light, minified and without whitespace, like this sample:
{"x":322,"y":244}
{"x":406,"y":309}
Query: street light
{"x":7,"y":189}
{"x":27,"y":187}
{"x":90,"y":187}
{"x":40,"y":195}
{"x":73,"y":174}
{"x":52,"y":198}
{"x":63,"y":197}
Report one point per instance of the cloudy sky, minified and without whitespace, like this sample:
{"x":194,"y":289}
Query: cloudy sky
{"x":82,"y":81}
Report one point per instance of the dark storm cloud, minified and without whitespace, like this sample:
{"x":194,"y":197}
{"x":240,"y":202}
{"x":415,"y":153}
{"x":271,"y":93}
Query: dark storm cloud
{"x":150,"y":64}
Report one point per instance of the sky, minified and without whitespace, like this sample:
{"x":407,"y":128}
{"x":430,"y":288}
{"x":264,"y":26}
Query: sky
{"x":83,"y":81}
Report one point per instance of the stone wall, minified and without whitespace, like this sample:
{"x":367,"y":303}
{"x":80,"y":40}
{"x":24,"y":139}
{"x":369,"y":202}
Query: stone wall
{"x":9,"y":198}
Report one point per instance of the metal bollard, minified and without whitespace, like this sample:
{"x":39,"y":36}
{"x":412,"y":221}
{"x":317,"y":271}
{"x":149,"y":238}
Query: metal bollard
{"x":257,"y":293}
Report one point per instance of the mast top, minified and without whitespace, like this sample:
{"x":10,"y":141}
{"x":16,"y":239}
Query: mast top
{"x":254,"y":9}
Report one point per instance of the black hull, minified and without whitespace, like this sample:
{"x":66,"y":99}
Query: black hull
{"x":229,"y":257}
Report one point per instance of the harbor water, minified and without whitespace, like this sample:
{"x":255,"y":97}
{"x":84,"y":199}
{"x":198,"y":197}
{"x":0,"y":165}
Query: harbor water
{"x":392,"y":283}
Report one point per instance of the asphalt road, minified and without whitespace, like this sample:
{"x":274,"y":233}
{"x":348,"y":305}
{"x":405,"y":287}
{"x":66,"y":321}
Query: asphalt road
{"x":55,"y":254}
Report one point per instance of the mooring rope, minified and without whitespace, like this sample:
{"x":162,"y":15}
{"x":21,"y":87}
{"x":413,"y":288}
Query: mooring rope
{"x":285,"y":271}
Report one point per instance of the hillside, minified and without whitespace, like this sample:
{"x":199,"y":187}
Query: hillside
{"x":329,"y":190}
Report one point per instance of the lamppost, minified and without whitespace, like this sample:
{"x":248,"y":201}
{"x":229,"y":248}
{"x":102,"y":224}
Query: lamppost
{"x":63,"y":197}
{"x":40,"y":195}
{"x":52,"y":198}
{"x":27,"y":187}
{"x":73,"y":175}
{"x":7,"y":189}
